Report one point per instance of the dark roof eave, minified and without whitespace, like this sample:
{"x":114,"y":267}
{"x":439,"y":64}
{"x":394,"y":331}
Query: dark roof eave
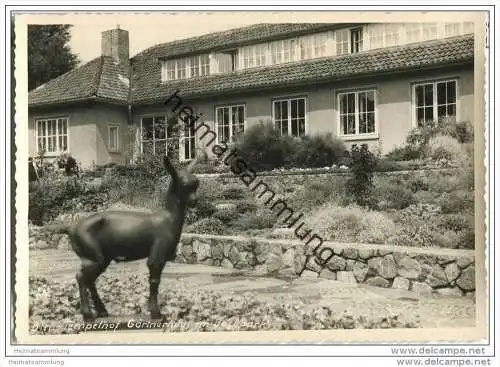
{"x":308,"y":82}
{"x":68,"y":102}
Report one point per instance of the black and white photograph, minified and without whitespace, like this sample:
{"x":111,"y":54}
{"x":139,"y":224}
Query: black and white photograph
{"x":252,"y":172}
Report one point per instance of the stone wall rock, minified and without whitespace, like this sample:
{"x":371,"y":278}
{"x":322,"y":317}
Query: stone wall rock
{"x":446,"y":272}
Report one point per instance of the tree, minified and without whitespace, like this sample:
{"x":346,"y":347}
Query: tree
{"x":49,"y":54}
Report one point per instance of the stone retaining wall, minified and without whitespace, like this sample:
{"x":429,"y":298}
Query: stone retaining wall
{"x":286,"y":179}
{"x":423,"y":270}
{"x":443,"y":271}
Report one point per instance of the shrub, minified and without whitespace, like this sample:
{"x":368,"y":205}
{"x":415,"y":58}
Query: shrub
{"x":360,"y":185}
{"x":351,"y":224}
{"x":457,"y":222}
{"x":316,"y":151}
{"x":263,"y":148}
{"x":404,"y":153}
{"x":208,"y":226}
{"x":393,"y":194}
{"x":444,"y":147}
{"x":48,"y":198}
{"x":233,"y":192}
{"x":456,"y":202}
{"x":204,"y":208}
{"x":244,"y":206}
{"x":225,"y":216}
{"x":262,"y":219}
{"x":417,"y":226}
{"x":388,"y":165}
{"x":315,"y":193}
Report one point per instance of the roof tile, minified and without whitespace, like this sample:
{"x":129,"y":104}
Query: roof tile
{"x":147,"y":86}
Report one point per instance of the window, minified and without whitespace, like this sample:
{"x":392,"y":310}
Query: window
{"x":357,"y":112}
{"x":199,"y":65}
{"x":391,"y":35}
{"x":434,"y":101}
{"x":356,"y":40}
{"x":230,"y":122}
{"x":413,"y":32}
{"x":114,"y":137}
{"x":451,"y":29}
{"x":157,"y":137}
{"x":188,"y":141}
{"x":289,"y":116}
{"x":52,"y":135}
{"x":349,"y":41}
{"x":313,"y":46}
{"x":468,"y":27}
{"x":377,"y":32}
{"x":226,"y":62}
{"x":187,"y":67}
{"x":342,"y":40}
{"x":248,"y":57}
{"x":182,"y":68}
{"x":253,"y":56}
{"x":260,"y":55}
{"x":429,"y":31}
{"x":306,"y":47}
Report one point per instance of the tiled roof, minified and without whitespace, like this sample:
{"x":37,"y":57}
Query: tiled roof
{"x":233,"y":38}
{"x":100,"y":78}
{"x":147,"y":86}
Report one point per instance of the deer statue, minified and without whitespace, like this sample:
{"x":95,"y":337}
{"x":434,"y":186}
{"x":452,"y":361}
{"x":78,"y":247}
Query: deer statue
{"x":127,"y":236}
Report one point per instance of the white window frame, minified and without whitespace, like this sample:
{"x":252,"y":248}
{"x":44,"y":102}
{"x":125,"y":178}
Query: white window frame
{"x":434,"y":83}
{"x":173,"y":66}
{"x":231,"y":137}
{"x":357,"y":135}
{"x":289,"y":100}
{"x":58,"y":149}
{"x":166,"y":139}
{"x":182,"y":141}
{"x":349,"y":32}
{"x":118,"y":140}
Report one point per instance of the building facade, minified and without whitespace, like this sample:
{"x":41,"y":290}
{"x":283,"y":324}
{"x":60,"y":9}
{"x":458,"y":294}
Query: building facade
{"x":364,"y":83}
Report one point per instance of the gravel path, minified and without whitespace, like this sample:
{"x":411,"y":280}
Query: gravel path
{"x":358,"y":300}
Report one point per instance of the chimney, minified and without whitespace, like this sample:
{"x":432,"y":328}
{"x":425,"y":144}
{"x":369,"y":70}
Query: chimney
{"x":116,"y":45}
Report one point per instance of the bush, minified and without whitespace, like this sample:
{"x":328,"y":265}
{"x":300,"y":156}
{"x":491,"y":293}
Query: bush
{"x":226,"y":216}
{"x":444,"y":147}
{"x":456,"y":202}
{"x":244,"y":206}
{"x":404,"y":153}
{"x":233,"y":192}
{"x":49,"y":198}
{"x":208,"y":226}
{"x":316,"y":151}
{"x":360,"y":185}
{"x":393,"y":194}
{"x":316,"y":193}
{"x":263,"y":148}
{"x":262,"y":219}
{"x":204,"y":208}
{"x":351,"y":224}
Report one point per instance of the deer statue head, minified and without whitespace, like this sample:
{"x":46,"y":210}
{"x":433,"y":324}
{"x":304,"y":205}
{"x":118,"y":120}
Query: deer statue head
{"x":183,"y":183}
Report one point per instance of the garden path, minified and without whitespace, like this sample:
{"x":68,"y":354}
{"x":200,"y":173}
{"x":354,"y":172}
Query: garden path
{"x":433,"y":310}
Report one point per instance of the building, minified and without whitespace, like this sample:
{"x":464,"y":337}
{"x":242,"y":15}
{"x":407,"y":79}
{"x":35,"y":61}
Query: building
{"x":365,"y":83}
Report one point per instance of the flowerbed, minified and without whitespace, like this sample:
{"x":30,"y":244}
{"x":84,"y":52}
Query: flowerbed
{"x":56,"y":304}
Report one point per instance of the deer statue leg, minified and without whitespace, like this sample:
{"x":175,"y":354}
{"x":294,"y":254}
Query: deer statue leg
{"x":82,"y":287}
{"x":98,"y":269}
{"x":156,"y":263}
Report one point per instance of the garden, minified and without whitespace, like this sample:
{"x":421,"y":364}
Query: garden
{"x":419,"y":195}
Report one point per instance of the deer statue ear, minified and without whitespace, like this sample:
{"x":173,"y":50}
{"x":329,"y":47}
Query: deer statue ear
{"x":169,"y":167}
